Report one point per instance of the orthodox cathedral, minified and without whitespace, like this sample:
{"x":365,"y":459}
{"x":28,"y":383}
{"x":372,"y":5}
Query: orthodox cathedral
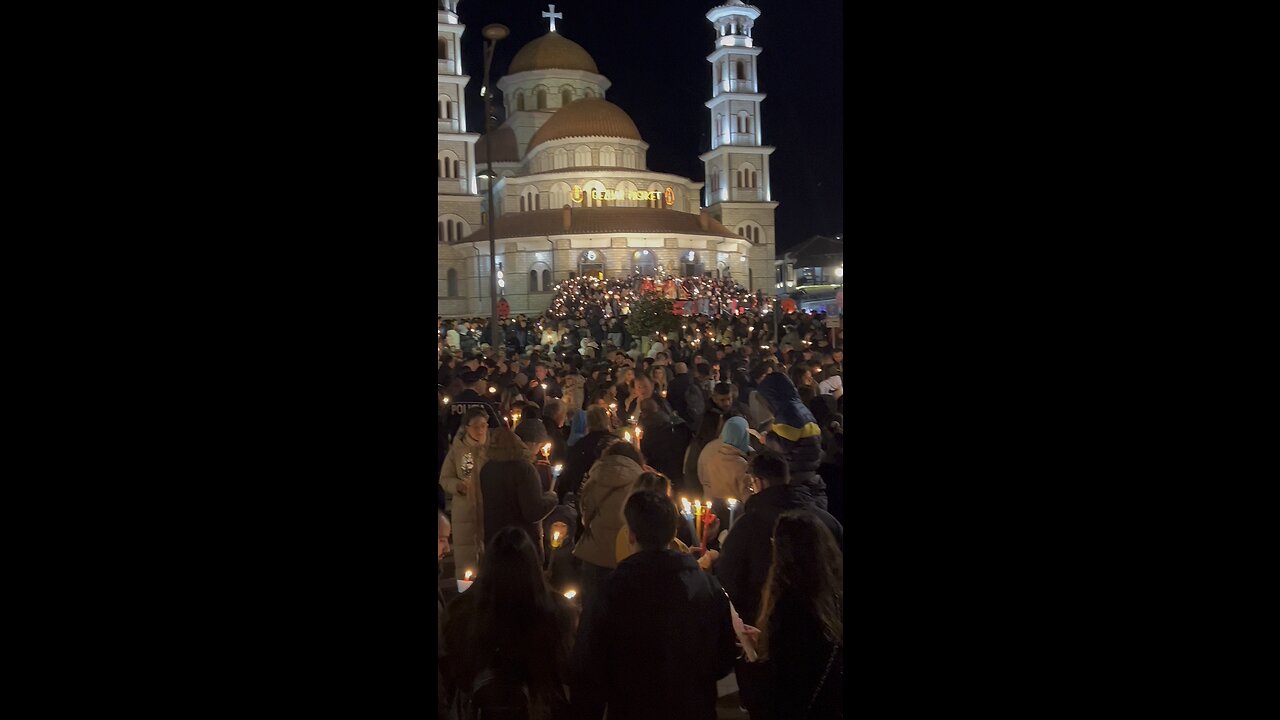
{"x":573,"y":194}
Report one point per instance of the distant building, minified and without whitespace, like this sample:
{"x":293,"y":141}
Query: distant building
{"x":573,"y":193}
{"x":816,"y":261}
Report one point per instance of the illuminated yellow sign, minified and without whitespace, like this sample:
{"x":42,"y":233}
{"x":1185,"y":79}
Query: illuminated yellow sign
{"x":668,"y":196}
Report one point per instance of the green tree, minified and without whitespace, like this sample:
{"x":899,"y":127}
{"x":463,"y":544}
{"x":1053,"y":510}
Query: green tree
{"x":652,"y":312}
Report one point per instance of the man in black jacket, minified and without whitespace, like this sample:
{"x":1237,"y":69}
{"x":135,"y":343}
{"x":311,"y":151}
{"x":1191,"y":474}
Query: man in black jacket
{"x":473,"y":396}
{"x":684,"y":396}
{"x":747,"y":553}
{"x":660,"y":636}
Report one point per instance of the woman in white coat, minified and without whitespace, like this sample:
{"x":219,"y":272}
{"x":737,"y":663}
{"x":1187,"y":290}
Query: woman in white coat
{"x":460,"y":479}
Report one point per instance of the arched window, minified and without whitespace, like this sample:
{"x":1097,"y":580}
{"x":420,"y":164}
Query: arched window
{"x":588,"y":200}
{"x":440,"y":231}
{"x":447,"y":165}
{"x":739,"y":179}
{"x":448,"y":226}
{"x":607,"y":157}
{"x":625,"y":190}
{"x":560,"y":160}
{"x":643,"y":261}
{"x":742,"y":69}
{"x":582,"y":156}
{"x":442,"y":50}
{"x":566,"y":96}
{"x":591,"y":262}
{"x":519,"y":100}
{"x":529,"y":199}
{"x":458,"y":229}
{"x":452,"y":283}
{"x":560,"y":194}
{"x":540,"y":277}
{"x":542,"y":98}
{"x":690,"y":264}
{"x":628,"y":158}
{"x":656,"y":202}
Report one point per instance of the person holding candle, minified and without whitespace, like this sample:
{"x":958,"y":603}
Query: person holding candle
{"x":584,"y":453}
{"x":651,"y":482}
{"x":660,"y":634}
{"x":664,"y":441}
{"x":460,"y":479}
{"x":607,"y":486}
{"x":510,"y":632}
{"x":722,"y":466}
{"x":512,"y":490}
{"x":747,"y":554}
{"x":801,"y":623}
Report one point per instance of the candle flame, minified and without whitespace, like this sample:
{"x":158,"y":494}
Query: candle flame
{"x":493,"y":389}
{"x":626,"y":436}
{"x":571,"y":594}
{"x":546,"y":449}
{"x":555,"y":535}
{"x":446,"y":400}
{"x":467,"y":575}
{"x":558,"y":468}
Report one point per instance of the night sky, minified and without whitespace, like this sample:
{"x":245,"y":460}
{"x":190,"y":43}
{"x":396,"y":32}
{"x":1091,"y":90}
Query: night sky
{"x":655,"y":56}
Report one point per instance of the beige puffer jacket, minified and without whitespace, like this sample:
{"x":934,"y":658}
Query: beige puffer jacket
{"x":609,"y":483}
{"x":465,"y":515}
{"x":722,"y":470}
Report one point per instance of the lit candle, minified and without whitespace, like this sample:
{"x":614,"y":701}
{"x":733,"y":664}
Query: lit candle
{"x":493,"y":389}
{"x":516,"y":418}
{"x":697,"y":515}
{"x":570,"y":594}
{"x":446,"y":400}
{"x":555,"y":471}
{"x":546,"y":451}
{"x":639,"y":433}
{"x":733,"y":507}
{"x":465,"y":584}
{"x":626,"y":436}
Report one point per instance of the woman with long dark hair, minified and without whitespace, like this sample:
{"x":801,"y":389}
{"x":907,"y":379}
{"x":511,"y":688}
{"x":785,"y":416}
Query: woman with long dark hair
{"x":509,"y":629}
{"x":801,"y":625}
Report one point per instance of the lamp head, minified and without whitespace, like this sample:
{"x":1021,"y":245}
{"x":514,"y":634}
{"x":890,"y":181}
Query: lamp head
{"x":495,"y":32}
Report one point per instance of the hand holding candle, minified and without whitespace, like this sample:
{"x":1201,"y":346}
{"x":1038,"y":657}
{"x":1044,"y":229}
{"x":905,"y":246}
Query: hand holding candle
{"x":465,"y":583}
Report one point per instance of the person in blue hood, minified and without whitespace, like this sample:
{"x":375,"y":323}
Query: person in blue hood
{"x":795,"y":434}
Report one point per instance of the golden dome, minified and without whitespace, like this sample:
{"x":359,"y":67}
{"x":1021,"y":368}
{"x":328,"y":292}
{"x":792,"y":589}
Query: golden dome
{"x":552,"y":52}
{"x":588,"y":117}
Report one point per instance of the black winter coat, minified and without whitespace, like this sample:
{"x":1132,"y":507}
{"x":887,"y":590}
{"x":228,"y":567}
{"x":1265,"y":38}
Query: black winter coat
{"x":686,"y":398}
{"x":657,"y":640}
{"x":582,"y":455}
{"x":798,"y":654}
{"x":747,"y":552}
{"x":511,"y":494}
{"x":804,"y":456}
{"x":664,"y":444}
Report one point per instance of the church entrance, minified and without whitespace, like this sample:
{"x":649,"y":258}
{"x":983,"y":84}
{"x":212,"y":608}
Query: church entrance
{"x":592,"y":269}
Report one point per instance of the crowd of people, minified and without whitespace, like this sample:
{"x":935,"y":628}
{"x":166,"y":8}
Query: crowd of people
{"x":629,"y":520}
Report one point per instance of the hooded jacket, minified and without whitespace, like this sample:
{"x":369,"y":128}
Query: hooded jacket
{"x":722,"y":470}
{"x":603,"y":497}
{"x":747,"y":552}
{"x":513,"y":495}
{"x":465,"y":517}
{"x":795,"y":434}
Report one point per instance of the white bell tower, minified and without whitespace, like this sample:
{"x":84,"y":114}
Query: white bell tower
{"x":456,"y":191}
{"x":737,"y":166}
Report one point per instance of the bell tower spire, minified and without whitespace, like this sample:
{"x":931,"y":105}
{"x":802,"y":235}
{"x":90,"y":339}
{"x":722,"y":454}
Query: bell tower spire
{"x":737,"y":166}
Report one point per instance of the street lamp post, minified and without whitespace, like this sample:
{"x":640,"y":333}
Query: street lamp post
{"x":492,"y":34}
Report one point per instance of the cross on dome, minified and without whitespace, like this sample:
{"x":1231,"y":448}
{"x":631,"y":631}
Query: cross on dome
{"x":553,"y":15}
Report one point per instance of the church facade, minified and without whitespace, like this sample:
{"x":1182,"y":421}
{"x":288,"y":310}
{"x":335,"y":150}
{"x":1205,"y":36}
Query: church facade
{"x":573,"y":194}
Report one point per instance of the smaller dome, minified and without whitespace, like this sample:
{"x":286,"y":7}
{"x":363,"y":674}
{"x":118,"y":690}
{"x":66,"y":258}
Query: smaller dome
{"x":587,"y":117}
{"x":552,"y":52}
